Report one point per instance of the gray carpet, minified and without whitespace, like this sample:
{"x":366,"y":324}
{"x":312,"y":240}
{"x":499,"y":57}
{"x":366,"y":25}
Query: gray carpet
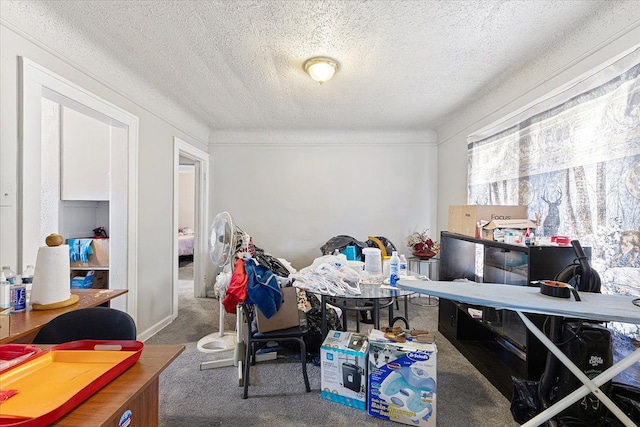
{"x":191,"y":397}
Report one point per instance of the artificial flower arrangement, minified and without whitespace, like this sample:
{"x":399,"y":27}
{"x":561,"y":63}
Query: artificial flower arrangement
{"x":422,"y":245}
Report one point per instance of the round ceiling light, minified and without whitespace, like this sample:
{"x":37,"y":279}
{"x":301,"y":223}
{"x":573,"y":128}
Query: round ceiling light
{"x":321,"y":69}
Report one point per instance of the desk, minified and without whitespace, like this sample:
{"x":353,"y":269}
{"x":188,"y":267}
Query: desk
{"x":26,"y":324}
{"x":135,"y":390}
{"x":524,"y":299}
{"x":369,"y":292}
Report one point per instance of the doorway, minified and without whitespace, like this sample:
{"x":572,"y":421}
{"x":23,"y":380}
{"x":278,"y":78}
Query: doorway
{"x":40,"y":84}
{"x":189,"y":157}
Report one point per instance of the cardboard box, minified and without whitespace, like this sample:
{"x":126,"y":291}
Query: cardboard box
{"x":99,"y":256}
{"x":343,"y":358}
{"x":402,"y":381}
{"x":496,"y":230}
{"x":5,"y":323}
{"x":101,"y":279}
{"x":82,"y":279}
{"x":286,"y":317}
{"x":463,"y":219}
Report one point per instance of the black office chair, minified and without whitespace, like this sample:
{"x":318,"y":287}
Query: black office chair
{"x":96,"y":323}
{"x":254,"y":337}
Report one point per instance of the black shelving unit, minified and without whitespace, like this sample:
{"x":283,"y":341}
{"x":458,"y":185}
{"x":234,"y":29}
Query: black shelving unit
{"x":496,"y":342}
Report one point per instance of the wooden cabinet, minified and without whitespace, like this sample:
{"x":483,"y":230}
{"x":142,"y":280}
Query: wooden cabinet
{"x":496,"y":342}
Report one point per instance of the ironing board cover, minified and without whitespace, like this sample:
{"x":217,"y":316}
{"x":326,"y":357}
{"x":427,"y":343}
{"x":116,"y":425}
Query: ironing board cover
{"x":43,"y":388}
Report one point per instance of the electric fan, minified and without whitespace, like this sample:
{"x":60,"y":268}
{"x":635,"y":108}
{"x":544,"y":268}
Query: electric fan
{"x":225,"y":241}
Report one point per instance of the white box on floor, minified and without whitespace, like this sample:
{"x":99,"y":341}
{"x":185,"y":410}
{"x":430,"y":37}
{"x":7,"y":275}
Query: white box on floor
{"x":402,"y":381}
{"x":343,"y":358}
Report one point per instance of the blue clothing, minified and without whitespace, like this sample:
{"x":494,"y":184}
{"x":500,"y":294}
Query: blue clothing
{"x":263,"y":289}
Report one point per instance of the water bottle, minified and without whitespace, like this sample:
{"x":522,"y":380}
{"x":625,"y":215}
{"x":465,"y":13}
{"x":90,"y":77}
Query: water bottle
{"x":18,"y":296}
{"x":403,"y":266}
{"x":9,"y":274}
{"x":5,"y":292}
{"x":27,"y":276}
{"x":394,"y":268}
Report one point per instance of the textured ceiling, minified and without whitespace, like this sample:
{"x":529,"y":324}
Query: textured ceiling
{"x":404,"y":65}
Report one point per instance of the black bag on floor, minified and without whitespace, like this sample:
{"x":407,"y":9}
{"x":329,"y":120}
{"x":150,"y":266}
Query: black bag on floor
{"x":525,"y":403}
{"x":313,"y":339}
{"x":627,"y":398}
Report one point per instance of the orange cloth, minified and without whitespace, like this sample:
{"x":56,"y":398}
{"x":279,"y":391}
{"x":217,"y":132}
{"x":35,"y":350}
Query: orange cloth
{"x":237,"y":291}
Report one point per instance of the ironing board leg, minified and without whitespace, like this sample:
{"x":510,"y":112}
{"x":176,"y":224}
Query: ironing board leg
{"x":590,"y":386}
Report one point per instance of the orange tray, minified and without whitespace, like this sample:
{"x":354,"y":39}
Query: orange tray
{"x":43,"y":388}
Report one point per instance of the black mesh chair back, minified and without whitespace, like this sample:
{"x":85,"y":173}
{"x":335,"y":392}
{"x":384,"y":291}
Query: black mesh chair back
{"x":254,"y":338}
{"x":94,"y":323}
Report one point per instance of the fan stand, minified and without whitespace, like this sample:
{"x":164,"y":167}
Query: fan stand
{"x":219,"y":341}
{"x":239,"y":351}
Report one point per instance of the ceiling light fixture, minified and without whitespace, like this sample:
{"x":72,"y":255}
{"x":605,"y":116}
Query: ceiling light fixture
{"x":321,"y":69}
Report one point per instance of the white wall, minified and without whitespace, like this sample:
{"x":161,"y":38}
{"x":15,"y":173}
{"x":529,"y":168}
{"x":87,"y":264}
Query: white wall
{"x":155,"y":171}
{"x":604,"y":37}
{"x":186,"y":189}
{"x":294,"y":190}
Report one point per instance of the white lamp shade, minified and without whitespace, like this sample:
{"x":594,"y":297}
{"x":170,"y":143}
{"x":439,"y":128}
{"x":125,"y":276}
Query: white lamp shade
{"x":321,"y":69}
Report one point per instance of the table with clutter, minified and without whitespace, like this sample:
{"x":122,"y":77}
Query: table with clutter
{"x":336,"y":278}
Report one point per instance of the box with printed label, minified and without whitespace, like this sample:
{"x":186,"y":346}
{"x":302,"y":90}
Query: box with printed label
{"x":343,"y":358}
{"x":82,"y":280}
{"x":402,"y":381}
{"x":465,"y":219}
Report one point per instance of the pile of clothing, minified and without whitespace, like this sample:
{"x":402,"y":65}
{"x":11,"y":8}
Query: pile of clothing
{"x":253,"y":283}
{"x":258,"y":278}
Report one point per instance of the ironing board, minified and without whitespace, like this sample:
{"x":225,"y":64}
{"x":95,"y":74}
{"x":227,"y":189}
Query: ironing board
{"x":523,"y":299}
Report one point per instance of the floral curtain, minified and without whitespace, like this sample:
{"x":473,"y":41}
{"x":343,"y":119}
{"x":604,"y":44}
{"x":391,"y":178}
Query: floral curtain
{"x":574,"y":160}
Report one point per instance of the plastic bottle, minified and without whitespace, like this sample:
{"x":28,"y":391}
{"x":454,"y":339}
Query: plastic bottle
{"x":5,"y":292}
{"x":385,"y":265}
{"x":27,"y":276}
{"x":403,"y":266}
{"x":18,"y":295}
{"x":9,"y":274}
{"x":394,"y":268}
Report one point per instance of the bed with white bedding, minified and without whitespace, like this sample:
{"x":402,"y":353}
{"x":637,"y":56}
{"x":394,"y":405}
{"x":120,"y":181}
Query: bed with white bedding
{"x":185,"y":241}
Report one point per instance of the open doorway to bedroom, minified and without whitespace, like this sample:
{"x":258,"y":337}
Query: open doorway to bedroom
{"x":190,"y":221}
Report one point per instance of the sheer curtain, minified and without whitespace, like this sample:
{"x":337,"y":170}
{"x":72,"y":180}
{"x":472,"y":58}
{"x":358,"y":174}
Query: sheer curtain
{"x":573,"y":159}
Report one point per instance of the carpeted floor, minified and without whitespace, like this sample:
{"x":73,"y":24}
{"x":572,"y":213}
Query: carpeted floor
{"x":193,"y":397}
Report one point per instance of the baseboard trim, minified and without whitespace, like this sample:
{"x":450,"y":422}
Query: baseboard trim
{"x":155,"y":329}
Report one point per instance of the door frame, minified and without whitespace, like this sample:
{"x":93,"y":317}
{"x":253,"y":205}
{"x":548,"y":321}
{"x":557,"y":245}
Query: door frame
{"x":35,"y":82}
{"x":201,"y":209}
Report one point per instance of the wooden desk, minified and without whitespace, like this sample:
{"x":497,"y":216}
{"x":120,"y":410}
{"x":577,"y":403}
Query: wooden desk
{"x":26,"y":324}
{"x":136,"y":390}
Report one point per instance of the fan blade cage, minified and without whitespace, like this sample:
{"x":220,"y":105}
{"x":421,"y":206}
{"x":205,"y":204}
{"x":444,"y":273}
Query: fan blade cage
{"x":222,"y":239}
